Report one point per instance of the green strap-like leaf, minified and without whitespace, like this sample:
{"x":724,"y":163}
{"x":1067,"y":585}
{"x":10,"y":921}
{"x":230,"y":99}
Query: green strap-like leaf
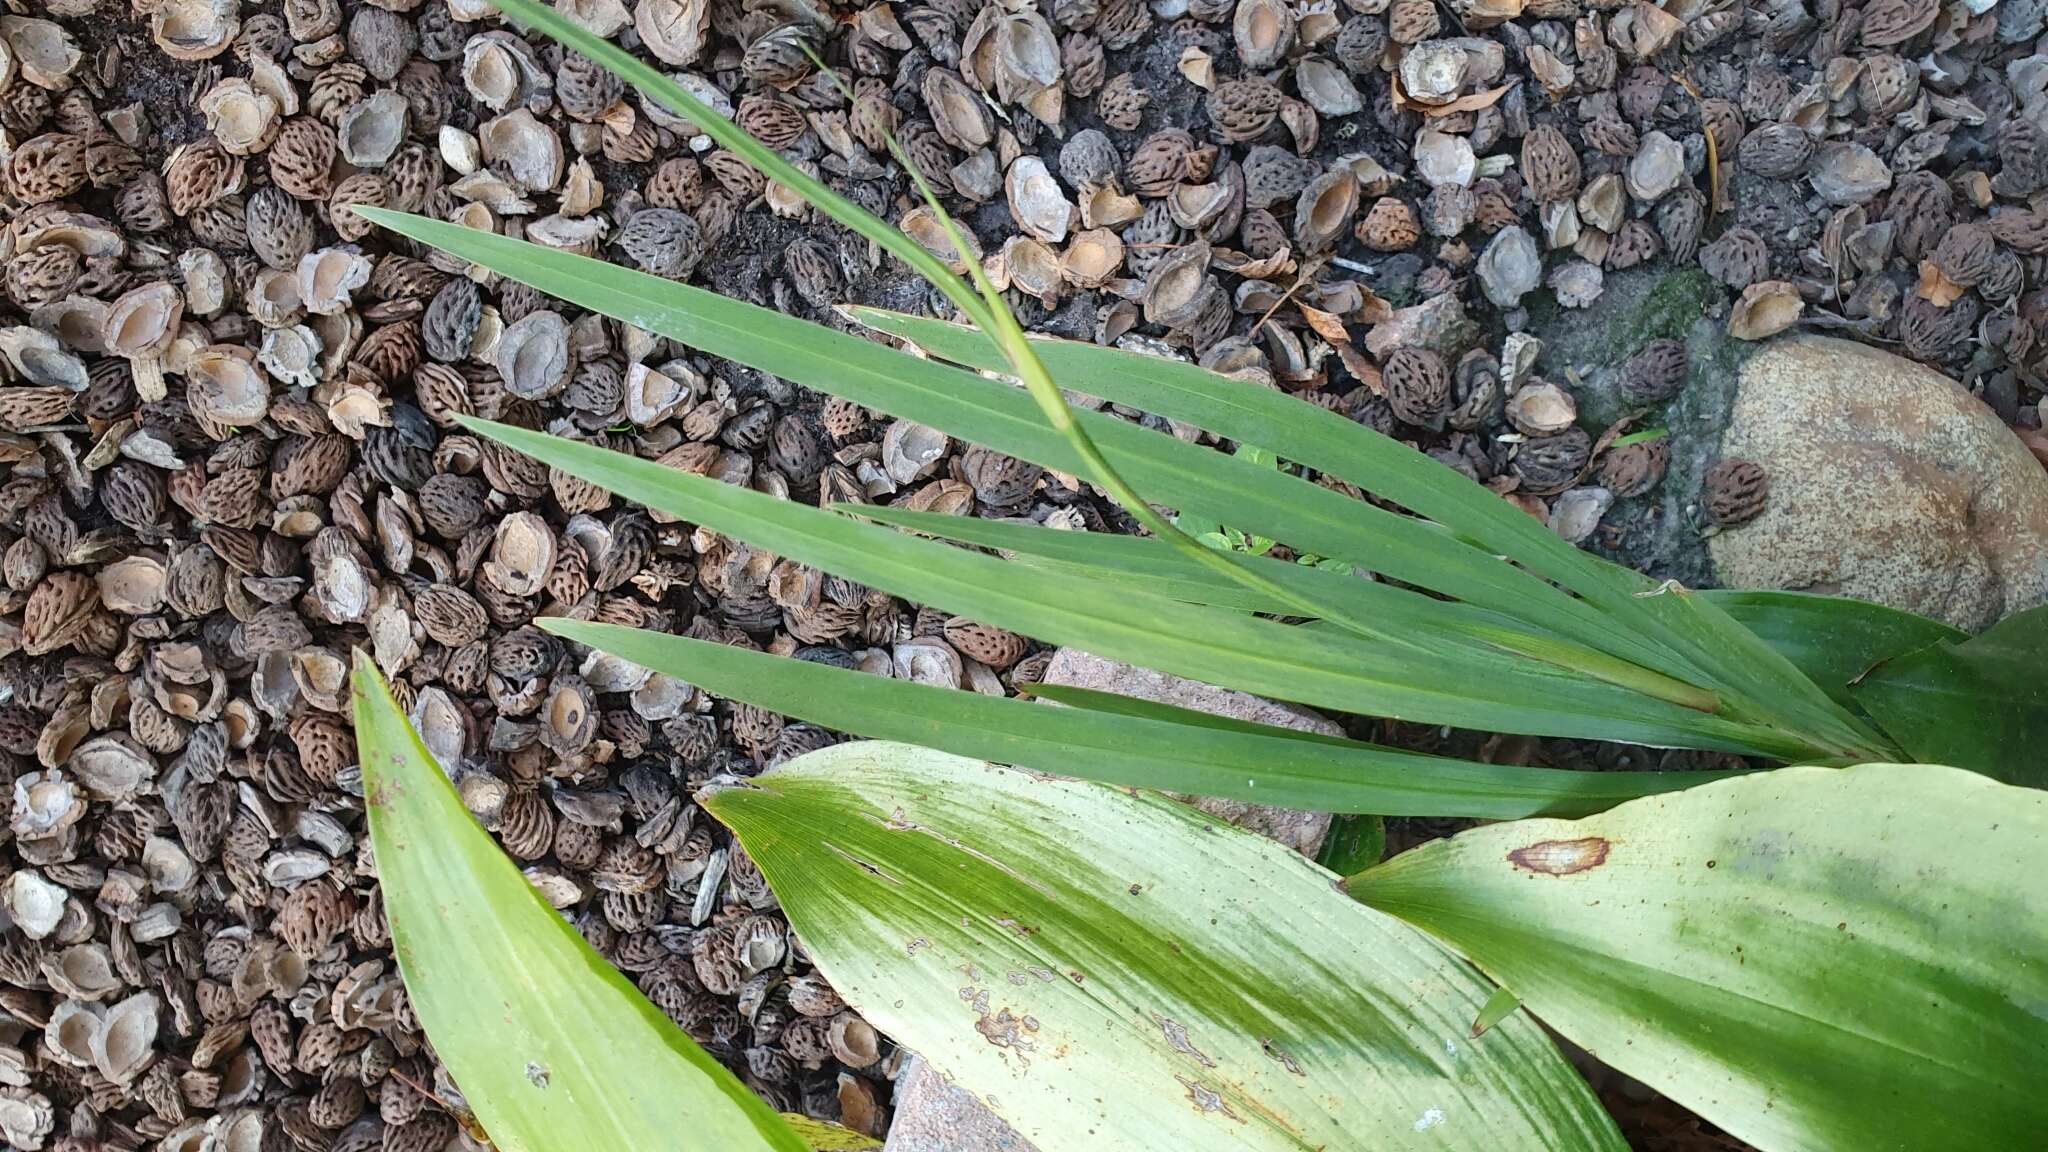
{"x":1114,"y":972}
{"x":549,"y":1044}
{"x":1423,"y":623}
{"x":1497,"y":1009}
{"x":1323,"y":669}
{"x":1161,"y":567}
{"x":1812,"y":958}
{"x":1982,"y":703}
{"x":982,"y":411}
{"x":764,"y":159}
{"x":1833,"y":639}
{"x":1709,"y":648}
{"x":1154,"y":747}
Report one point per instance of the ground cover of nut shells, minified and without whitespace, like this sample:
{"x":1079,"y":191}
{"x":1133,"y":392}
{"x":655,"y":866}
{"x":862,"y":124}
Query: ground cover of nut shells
{"x":227,"y":421}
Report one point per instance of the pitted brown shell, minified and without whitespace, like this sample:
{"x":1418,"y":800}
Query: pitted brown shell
{"x":1412,"y":21}
{"x":1121,"y":103}
{"x":1738,"y":259}
{"x":1655,"y":373}
{"x":1779,"y":151}
{"x":1245,"y":109}
{"x":1550,"y":164}
{"x":47,"y":168}
{"x":1634,"y":468}
{"x":1967,"y":254}
{"x":302,"y":158}
{"x":1548,"y":464}
{"x":1418,"y":385}
{"x":1736,"y":491}
{"x":1164,"y":159}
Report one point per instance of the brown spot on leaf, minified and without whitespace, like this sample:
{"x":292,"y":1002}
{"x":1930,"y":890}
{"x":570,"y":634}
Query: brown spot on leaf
{"x":1006,"y":1029}
{"x":1561,"y":857}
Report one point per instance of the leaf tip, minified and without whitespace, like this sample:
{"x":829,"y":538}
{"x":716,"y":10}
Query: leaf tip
{"x":561,"y":625}
{"x":365,"y":681}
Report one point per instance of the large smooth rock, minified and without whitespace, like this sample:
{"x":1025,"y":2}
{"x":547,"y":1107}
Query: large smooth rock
{"x":1888,"y":482}
{"x":1301,"y":831}
{"x":933,"y":1114}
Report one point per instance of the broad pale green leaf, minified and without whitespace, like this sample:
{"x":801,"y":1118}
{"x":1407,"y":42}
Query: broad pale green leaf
{"x":1981,"y":703}
{"x":1114,"y":972}
{"x":1340,"y":671}
{"x":1813,"y":958}
{"x":1151,"y":746}
{"x":1709,"y":649}
{"x":1833,"y":639}
{"x":549,"y":1044}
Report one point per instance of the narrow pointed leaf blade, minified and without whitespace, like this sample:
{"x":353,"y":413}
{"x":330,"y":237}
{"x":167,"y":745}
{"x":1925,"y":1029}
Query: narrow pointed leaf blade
{"x":1981,"y":703}
{"x":1138,"y":707}
{"x":664,"y":90}
{"x":1497,"y":1008}
{"x":1399,"y":612}
{"x":550,"y":1045}
{"x":1700,"y":640}
{"x":1812,"y":958}
{"x":1162,"y":747}
{"x":1339,"y":671}
{"x":1226,"y":488}
{"x":1115,"y":972}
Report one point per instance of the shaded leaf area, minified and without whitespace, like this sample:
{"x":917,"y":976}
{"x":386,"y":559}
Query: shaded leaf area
{"x":551,"y":1046}
{"x":1353,"y":843}
{"x":1811,"y":958}
{"x":1980,"y":702}
{"x":1134,"y":742}
{"x":1114,"y":970}
{"x":1833,"y":639}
